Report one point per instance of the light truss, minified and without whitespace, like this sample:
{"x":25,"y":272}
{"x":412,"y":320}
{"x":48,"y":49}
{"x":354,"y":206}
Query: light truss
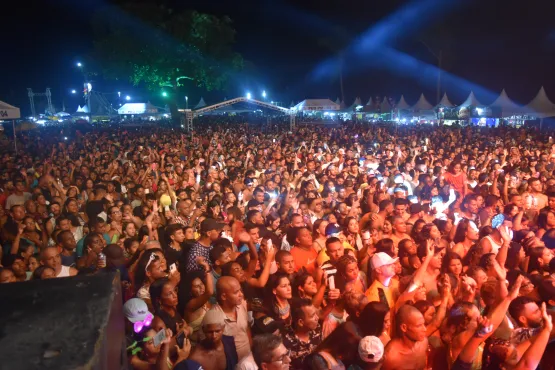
{"x":190,"y":115}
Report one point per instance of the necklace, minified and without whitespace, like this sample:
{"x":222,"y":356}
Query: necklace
{"x":285,"y":310}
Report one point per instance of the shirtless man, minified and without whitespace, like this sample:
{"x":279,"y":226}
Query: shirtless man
{"x":399,"y":230}
{"x":386,"y":210}
{"x":534,"y":199}
{"x":211,"y":351}
{"x":412,"y":344}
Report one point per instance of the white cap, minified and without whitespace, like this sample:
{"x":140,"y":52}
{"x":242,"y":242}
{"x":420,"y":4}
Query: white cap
{"x":370,"y":349}
{"x":135,"y":310}
{"x":382,"y":259}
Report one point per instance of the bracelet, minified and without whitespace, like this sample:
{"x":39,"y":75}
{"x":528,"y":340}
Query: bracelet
{"x":208,"y":271}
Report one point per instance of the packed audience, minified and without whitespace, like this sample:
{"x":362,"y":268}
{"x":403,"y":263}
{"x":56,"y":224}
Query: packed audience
{"x":360,"y":247}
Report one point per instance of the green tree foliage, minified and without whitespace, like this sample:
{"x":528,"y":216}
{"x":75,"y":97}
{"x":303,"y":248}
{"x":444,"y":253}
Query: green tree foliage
{"x":155,"y":46}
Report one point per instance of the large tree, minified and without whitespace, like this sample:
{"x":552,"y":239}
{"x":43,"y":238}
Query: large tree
{"x":159,"y":48}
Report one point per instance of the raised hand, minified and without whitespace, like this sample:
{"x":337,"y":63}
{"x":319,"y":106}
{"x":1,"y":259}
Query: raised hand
{"x":485,"y":327}
{"x":547,"y":319}
{"x":516,"y":288}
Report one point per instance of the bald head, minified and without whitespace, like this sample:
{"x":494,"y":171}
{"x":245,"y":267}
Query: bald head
{"x":228,"y":291}
{"x":405,"y":312}
{"x":410,"y":323}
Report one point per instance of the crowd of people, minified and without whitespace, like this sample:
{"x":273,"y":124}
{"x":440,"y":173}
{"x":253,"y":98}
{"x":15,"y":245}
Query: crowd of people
{"x":358,"y":247}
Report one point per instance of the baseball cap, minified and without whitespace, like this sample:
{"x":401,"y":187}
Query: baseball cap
{"x":210,"y":224}
{"x":382,"y":259}
{"x":370,"y":349}
{"x":135,"y":310}
{"x":265,"y":325}
{"x":332,"y":229}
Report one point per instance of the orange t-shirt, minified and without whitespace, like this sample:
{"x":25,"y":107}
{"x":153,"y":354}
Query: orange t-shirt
{"x":304,"y":258}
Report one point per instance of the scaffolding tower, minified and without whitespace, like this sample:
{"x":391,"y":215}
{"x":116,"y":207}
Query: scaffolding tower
{"x":47,"y":93}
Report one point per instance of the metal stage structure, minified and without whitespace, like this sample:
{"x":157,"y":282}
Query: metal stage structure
{"x":48,"y":94}
{"x":190,"y":115}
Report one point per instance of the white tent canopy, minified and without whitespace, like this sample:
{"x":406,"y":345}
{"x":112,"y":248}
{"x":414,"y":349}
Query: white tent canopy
{"x":82,"y":109}
{"x":506,"y":105}
{"x":541,"y":106}
{"x":9,"y":111}
{"x":402,"y":104}
{"x":355,"y":104}
{"x":422,"y":104}
{"x":201,"y":104}
{"x":385,"y":107}
{"x":471,"y":101}
{"x":138,"y":108}
{"x":316,"y":104}
{"x":445,"y":102}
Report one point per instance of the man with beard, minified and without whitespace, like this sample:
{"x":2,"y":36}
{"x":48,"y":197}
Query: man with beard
{"x":216,"y":351}
{"x":528,"y":316}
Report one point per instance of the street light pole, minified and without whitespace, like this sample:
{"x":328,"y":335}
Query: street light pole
{"x":439,"y":59}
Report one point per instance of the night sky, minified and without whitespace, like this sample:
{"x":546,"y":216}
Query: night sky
{"x":486,"y":46}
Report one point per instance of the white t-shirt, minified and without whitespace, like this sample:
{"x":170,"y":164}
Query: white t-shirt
{"x":247,"y":363}
{"x":17,"y":200}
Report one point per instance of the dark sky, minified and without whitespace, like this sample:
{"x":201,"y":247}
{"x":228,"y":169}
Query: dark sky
{"x":486,"y":46}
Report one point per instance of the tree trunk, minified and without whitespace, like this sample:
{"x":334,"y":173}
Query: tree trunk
{"x":176,"y":115}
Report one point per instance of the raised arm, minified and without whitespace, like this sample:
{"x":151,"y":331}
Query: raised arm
{"x":195,"y":303}
{"x":265,"y":274}
{"x":532,"y":357}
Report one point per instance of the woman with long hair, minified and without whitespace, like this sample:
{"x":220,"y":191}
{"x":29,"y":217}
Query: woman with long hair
{"x":194,"y":294}
{"x":466,"y":235}
{"x":319,"y":235}
{"x":351,"y":232}
{"x":375,"y":320}
{"x":337,"y":351}
{"x":71,"y":207}
{"x":452,"y":264}
{"x":349,"y":275}
{"x":304,"y":286}
{"x":278,"y":296}
{"x":546,"y":221}
{"x":151,"y":267}
{"x":164,"y":299}
{"x":417,"y":228}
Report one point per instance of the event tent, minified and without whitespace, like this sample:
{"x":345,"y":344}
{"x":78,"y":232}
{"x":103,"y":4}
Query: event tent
{"x":471,"y":101}
{"x":422,"y":104}
{"x":82,"y":109}
{"x":316,"y":105}
{"x":9,"y":111}
{"x":138,"y":108}
{"x":402,"y":104}
{"x":506,"y":106}
{"x":201,"y":104}
{"x":355,"y":104}
{"x":445,"y":102}
{"x":540,"y":106}
{"x":385,"y":106}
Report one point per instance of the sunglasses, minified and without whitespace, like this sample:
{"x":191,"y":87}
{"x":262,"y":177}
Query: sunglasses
{"x":139,"y":325}
{"x":152,"y":257}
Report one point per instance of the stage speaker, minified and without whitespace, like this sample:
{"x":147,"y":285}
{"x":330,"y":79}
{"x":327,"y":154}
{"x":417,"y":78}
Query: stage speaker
{"x":64,"y":323}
